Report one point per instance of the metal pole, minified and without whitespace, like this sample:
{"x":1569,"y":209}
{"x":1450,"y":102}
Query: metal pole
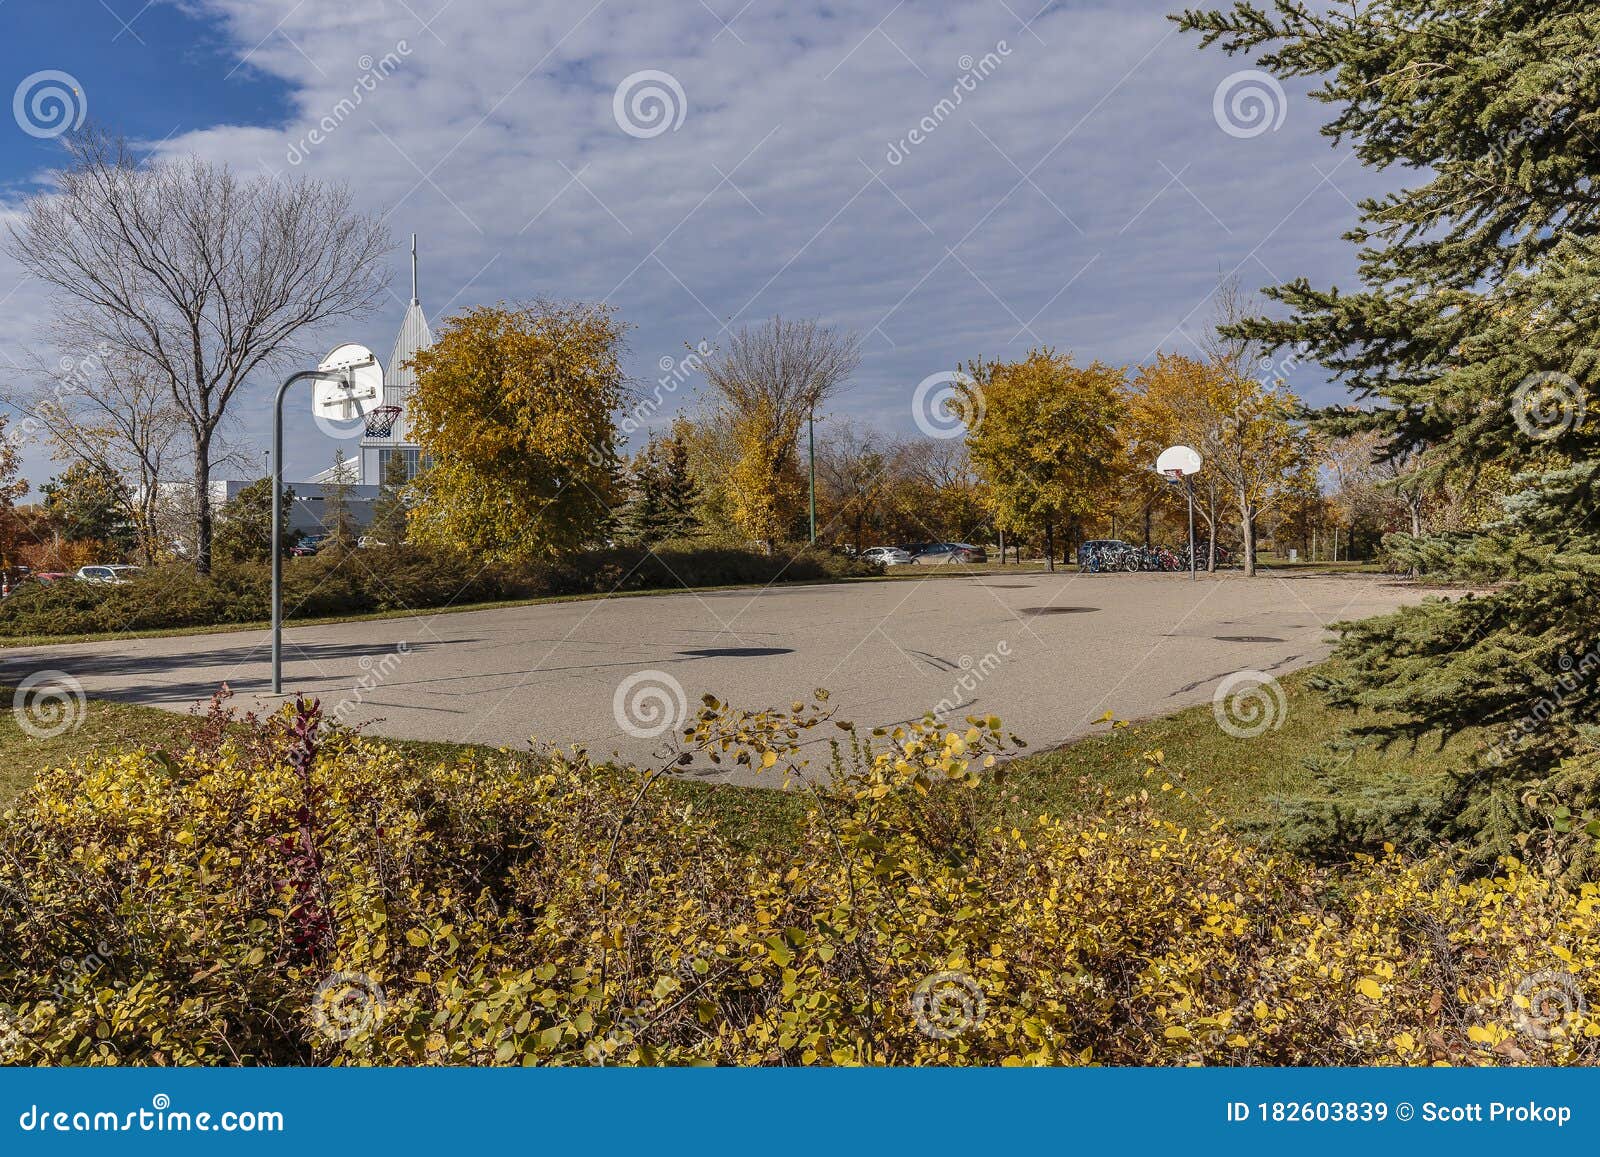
{"x":811,"y":444}
{"x":1189,"y":487}
{"x":277,"y":518}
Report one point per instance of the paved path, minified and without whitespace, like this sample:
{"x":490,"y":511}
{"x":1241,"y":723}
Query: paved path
{"x":1048,"y":653}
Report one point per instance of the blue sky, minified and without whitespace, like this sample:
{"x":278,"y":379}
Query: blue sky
{"x":1092,"y":182}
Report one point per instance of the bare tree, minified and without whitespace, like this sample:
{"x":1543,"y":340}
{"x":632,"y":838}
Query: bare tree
{"x":856,"y":469}
{"x":944,"y":494}
{"x":787,"y":367}
{"x":197,"y":275}
{"x":766,"y":382}
{"x":1403,"y":470}
{"x":116,"y":417}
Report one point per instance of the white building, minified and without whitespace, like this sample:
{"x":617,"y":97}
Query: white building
{"x":399,"y":380}
{"x":366,"y":470}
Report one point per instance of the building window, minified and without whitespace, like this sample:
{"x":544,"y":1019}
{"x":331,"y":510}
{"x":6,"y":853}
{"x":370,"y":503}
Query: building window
{"x":413,"y":461}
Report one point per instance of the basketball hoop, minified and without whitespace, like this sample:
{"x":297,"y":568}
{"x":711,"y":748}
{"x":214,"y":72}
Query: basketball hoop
{"x":380,"y":422}
{"x":1177,"y":464}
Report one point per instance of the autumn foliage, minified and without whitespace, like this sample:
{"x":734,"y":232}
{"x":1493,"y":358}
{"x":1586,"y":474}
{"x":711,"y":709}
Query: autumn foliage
{"x":1044,"y":438}
{"x":282,"y":894}
{"x":513,"y":407}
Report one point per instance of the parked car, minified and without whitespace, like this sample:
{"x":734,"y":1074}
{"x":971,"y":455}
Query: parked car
{"x":367,"y":542}
{"x":308,"y":545}
{"x":887,"y":555}
{"x":116,"y":574}
{"x":941,"y":553}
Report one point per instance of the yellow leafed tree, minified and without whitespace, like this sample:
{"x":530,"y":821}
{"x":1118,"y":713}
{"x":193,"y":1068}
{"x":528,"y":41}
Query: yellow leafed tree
{"x":513,"y":411}
{"x":1046,"y":442}
{"x":768,"y":380}
{"x":1177,"y":400}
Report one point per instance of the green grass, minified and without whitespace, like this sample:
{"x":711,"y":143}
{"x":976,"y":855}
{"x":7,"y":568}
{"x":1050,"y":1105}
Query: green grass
{"x":1344,"y":566}
{"x":1214,"y":773}
{"x":106,"y":727}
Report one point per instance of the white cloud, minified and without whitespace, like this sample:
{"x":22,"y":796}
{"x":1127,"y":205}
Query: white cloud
{"x":1089,"y":152}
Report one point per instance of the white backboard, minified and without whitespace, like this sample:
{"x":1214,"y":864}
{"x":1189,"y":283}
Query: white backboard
{"x":1184,"y":459}
{"x":360,"y":391}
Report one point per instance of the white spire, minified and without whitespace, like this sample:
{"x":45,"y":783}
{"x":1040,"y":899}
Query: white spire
{"x":415,"y":334}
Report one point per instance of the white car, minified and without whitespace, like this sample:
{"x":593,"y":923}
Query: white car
{"x":117,"y":574}
{"x":887,"y":555}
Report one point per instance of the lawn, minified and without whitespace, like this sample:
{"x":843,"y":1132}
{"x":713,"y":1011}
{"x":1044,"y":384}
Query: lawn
{"x":1244,"y":780}
{"x":1211,"y":772}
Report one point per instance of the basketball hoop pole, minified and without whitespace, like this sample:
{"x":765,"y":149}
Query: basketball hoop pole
{"x":277,"y":516}
{"x":1188,"y":486}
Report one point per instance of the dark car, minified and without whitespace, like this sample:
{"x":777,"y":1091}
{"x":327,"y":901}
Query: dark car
{"x":942,"y":553}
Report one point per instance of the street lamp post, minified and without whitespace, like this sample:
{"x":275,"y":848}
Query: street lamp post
{"x":811,"y":453}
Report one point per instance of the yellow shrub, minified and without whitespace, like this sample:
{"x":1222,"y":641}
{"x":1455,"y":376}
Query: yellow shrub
{"x":285,"y":894}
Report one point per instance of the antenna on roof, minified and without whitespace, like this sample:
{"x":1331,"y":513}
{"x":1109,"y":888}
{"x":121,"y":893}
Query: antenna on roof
{"x":414,"y":299}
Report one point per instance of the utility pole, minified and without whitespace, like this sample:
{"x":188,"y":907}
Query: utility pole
{"x":811,"y":453}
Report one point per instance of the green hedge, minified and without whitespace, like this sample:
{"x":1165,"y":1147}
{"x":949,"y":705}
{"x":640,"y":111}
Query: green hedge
{"x":391,"y":578}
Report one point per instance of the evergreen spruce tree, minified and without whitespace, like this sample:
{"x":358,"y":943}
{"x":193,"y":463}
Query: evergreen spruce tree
{"x":338,"y":518}
{"x":389,"y":508}
{"x":662,"y":494}
{"x":1475,"y":333}
{"x":680,"y":493}
{"x":244,"y":525}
